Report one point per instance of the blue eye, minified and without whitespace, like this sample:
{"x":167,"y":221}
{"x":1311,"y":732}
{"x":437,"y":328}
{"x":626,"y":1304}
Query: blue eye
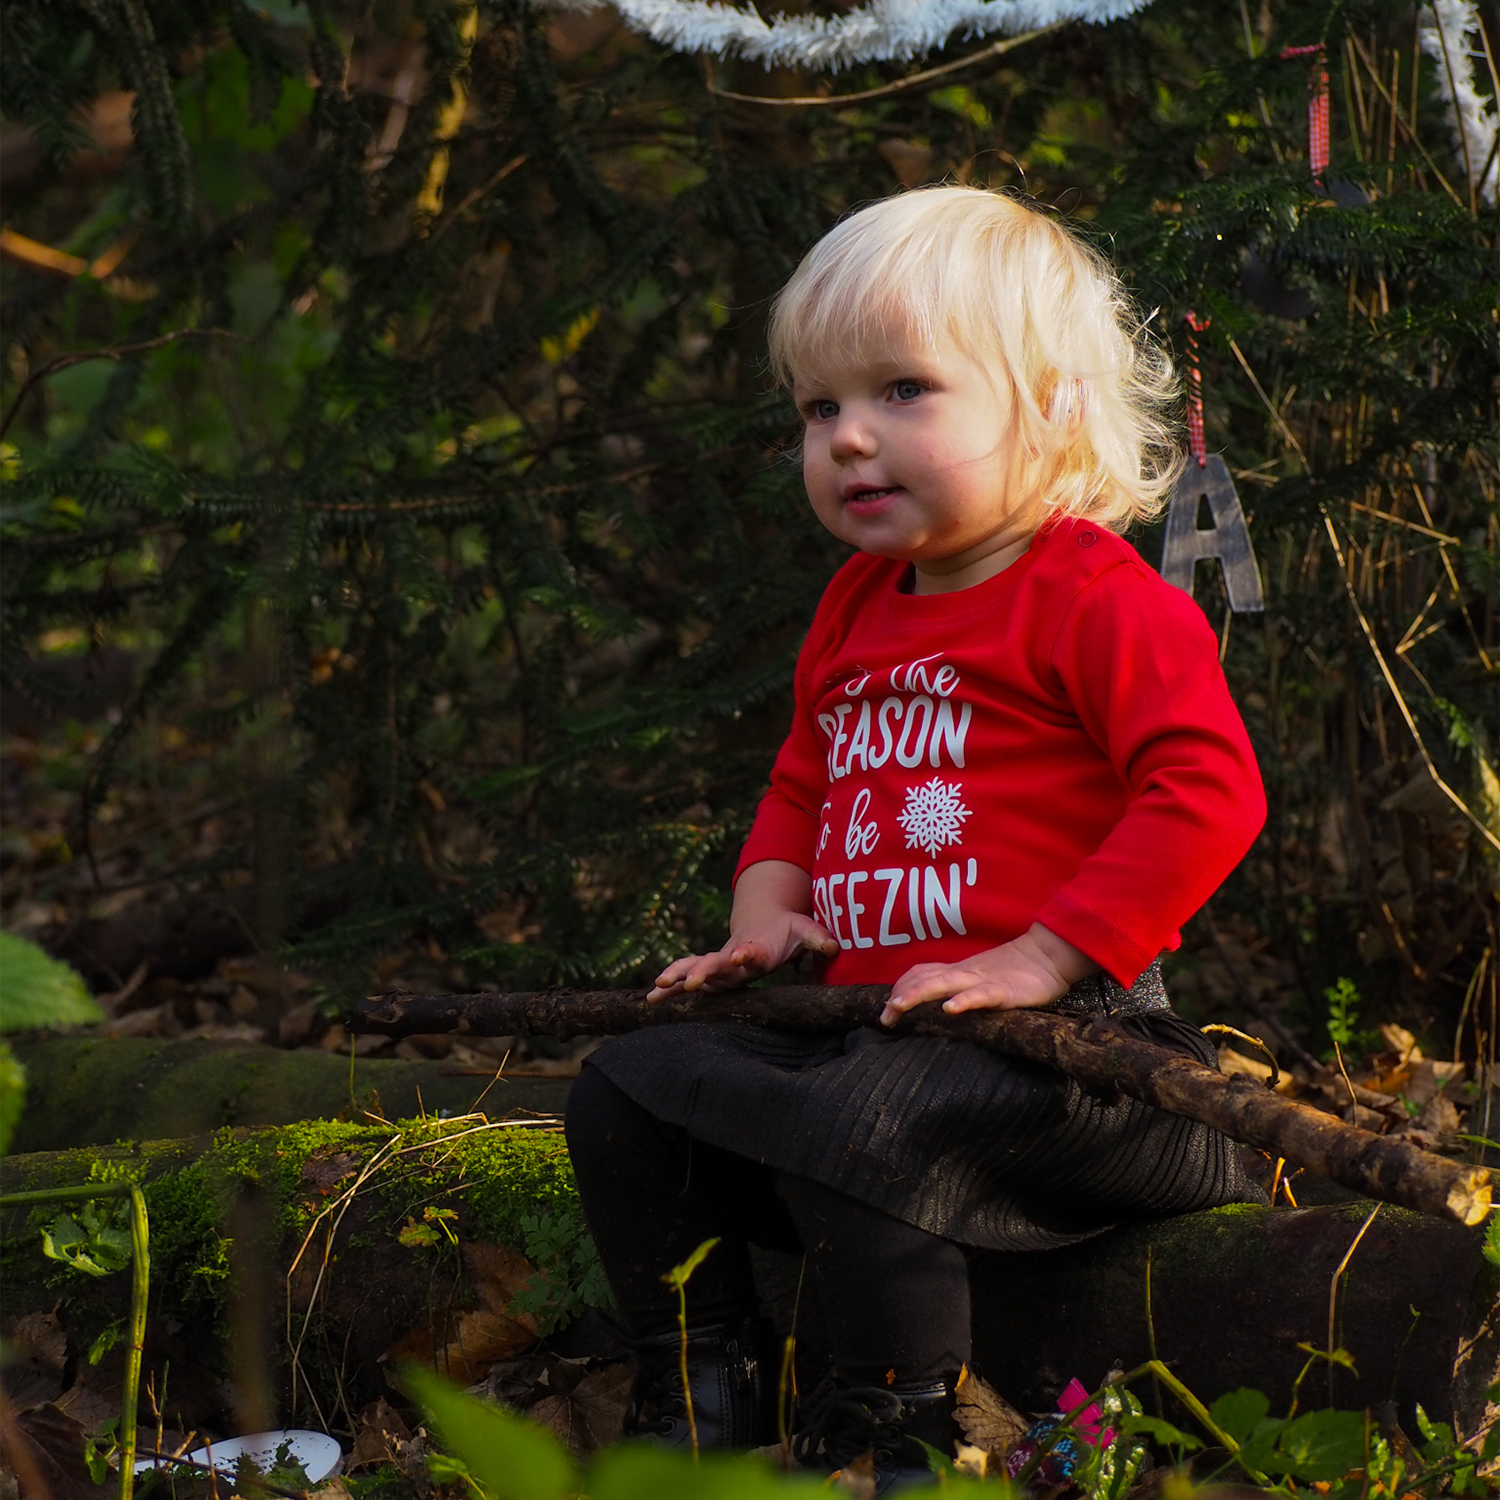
{"x":822,"y":411}
{"x":907,"y":390}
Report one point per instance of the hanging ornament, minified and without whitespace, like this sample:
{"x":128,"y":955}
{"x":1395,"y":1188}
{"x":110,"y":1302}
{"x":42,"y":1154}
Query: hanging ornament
{"x":880,"y":31}
{"x":1317,"y":108}
{"x":1207,"y":477}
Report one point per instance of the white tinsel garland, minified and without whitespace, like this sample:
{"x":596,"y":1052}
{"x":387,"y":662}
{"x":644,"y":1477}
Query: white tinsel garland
{"x":881,"y":30}
{"x":1445,"y":39}
{"x":886,"y":30}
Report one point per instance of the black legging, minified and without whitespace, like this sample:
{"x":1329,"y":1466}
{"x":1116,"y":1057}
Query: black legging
{"x":895,"y":1297}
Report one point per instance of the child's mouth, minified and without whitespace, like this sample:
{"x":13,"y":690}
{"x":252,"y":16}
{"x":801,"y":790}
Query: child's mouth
{"x":871,"y":499}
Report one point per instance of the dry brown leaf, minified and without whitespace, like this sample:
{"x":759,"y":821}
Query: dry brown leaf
{"x":462,"y":1344}
{"x":414,"y":1465}
{"x":1402,"y":1042}
{"x":380,"y":1437}
{"x":498,"y":1273}
{"x":986,"y":1419}
{"x":592,"y":1414}
{"x":55,"y":1442}
{"x":34,"y":1372}
{"x":1440,"y":1115}
{"x":93,"y":1400}
{"x":327,"y":1167}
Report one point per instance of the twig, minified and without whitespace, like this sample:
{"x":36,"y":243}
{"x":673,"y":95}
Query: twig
{"x":488,"y":186}
{"x":1094,"y":1051}
{"x":474,"y":1108}
{"x":1396,"y":693}
{"x":1151,"y":1327}
{"x":341,"y":1205}
{"x":1338,"y":1053}
{"x":1475,"y":982}
{"x":1385,"y":515}
{"x":1270,"y":406}
{"x":1253,"y":1041}
{"x":115,"y":353}
{"x":1407,"y":130}
{"x":889,"y":90}
{"x":1333,"y":1291}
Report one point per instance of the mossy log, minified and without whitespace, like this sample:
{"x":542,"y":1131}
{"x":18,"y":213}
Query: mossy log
{"x":287,"y":1262}
{"x":86,"y":1090}
{"x":1235,"y":1293}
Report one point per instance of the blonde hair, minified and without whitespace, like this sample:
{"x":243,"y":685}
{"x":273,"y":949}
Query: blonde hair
{"x":1090,"y":388}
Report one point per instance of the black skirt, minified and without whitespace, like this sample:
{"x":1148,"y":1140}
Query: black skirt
{"x":983,"y":1149}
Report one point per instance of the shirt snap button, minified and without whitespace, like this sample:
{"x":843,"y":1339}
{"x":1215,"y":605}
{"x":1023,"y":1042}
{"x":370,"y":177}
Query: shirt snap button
{"x":1086,"y":539}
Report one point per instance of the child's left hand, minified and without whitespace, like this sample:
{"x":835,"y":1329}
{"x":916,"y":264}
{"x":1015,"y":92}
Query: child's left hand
{"x":1032,"y":970}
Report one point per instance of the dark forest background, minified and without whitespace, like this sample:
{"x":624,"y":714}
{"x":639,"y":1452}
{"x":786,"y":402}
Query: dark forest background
{"x":402,"y":564}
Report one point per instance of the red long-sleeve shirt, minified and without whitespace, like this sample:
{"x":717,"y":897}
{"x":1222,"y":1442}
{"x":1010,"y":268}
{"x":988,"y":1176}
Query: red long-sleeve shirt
{"x":1055,"y":745}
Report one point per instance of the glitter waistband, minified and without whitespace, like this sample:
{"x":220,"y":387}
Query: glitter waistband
{"x":1101,"y":995}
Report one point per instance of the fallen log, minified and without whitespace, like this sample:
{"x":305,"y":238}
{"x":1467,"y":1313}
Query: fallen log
{"x":1233,"y":1293}
{"x":92,"y":1089}
{"x":1097,"y":1052}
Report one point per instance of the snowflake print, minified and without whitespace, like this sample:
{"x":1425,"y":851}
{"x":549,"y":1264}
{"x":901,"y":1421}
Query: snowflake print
{"x":934,"y":815}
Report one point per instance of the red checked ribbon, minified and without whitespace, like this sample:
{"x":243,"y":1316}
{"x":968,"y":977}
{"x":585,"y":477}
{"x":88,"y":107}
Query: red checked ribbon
{"x":1196,"y":446}
{"x":1317,"y":108}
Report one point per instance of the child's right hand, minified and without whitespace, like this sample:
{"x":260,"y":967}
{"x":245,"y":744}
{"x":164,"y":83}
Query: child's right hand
{"x":769,"y":925}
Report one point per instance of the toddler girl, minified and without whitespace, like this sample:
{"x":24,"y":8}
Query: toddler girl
{"x":1014,"y":771}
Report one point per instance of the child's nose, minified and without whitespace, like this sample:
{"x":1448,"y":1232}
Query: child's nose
{"x":852,"y":436}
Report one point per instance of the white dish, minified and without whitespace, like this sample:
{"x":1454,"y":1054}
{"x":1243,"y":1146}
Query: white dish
{"x":319,"y":1454}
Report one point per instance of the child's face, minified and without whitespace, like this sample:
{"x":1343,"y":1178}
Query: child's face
{"x":908,"y":454}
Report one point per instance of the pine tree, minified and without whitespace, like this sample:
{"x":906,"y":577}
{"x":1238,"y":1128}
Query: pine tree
{"x":433,"y":475}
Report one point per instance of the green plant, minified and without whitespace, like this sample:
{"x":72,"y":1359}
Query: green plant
{"x":677,"y":1278}
{"x":569,"y":1277}
{"x":94,"y":1240}
{"x":1343,"y":1000}
{"x":140,"y":1286}
{"x":35,"y":991}
{"x":1337,"y":1455}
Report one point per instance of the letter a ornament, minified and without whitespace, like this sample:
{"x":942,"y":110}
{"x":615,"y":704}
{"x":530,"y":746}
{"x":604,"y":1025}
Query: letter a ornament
{"x":1207,"y":478}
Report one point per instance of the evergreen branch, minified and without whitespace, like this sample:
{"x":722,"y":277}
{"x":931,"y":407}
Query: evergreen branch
{"x":114,"y":353}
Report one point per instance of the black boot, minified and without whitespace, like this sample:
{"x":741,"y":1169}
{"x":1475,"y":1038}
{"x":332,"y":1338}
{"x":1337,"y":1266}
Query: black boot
{"x":890,"y":1425}
{"x":732,"y":1380}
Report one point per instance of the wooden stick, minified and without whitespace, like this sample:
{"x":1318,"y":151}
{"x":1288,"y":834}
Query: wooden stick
{"x":1096,"y":1051}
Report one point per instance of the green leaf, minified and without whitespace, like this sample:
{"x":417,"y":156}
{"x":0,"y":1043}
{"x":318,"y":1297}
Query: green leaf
{"x":36,"y":990}
{"x":635,"y":1471}
{"x":106,"y":1341}
{"x":12,"y":1094}
{"x":1321,"y":1445}
{"x":1240,"y":1412}
{"x":87,"y":1243}
{"x":678,"y":1276}
{"x":1159,"y":1431}
{"x":512,"y":1459}
{"x":1491,"y":1248}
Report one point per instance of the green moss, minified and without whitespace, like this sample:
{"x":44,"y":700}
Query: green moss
{"x":94,"y":1089}
{"x":496,"y":1178}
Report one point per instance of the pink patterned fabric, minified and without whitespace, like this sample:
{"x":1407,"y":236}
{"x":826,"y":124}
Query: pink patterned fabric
{"x":1317,"y":109}
{"x":1196,"y":447}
